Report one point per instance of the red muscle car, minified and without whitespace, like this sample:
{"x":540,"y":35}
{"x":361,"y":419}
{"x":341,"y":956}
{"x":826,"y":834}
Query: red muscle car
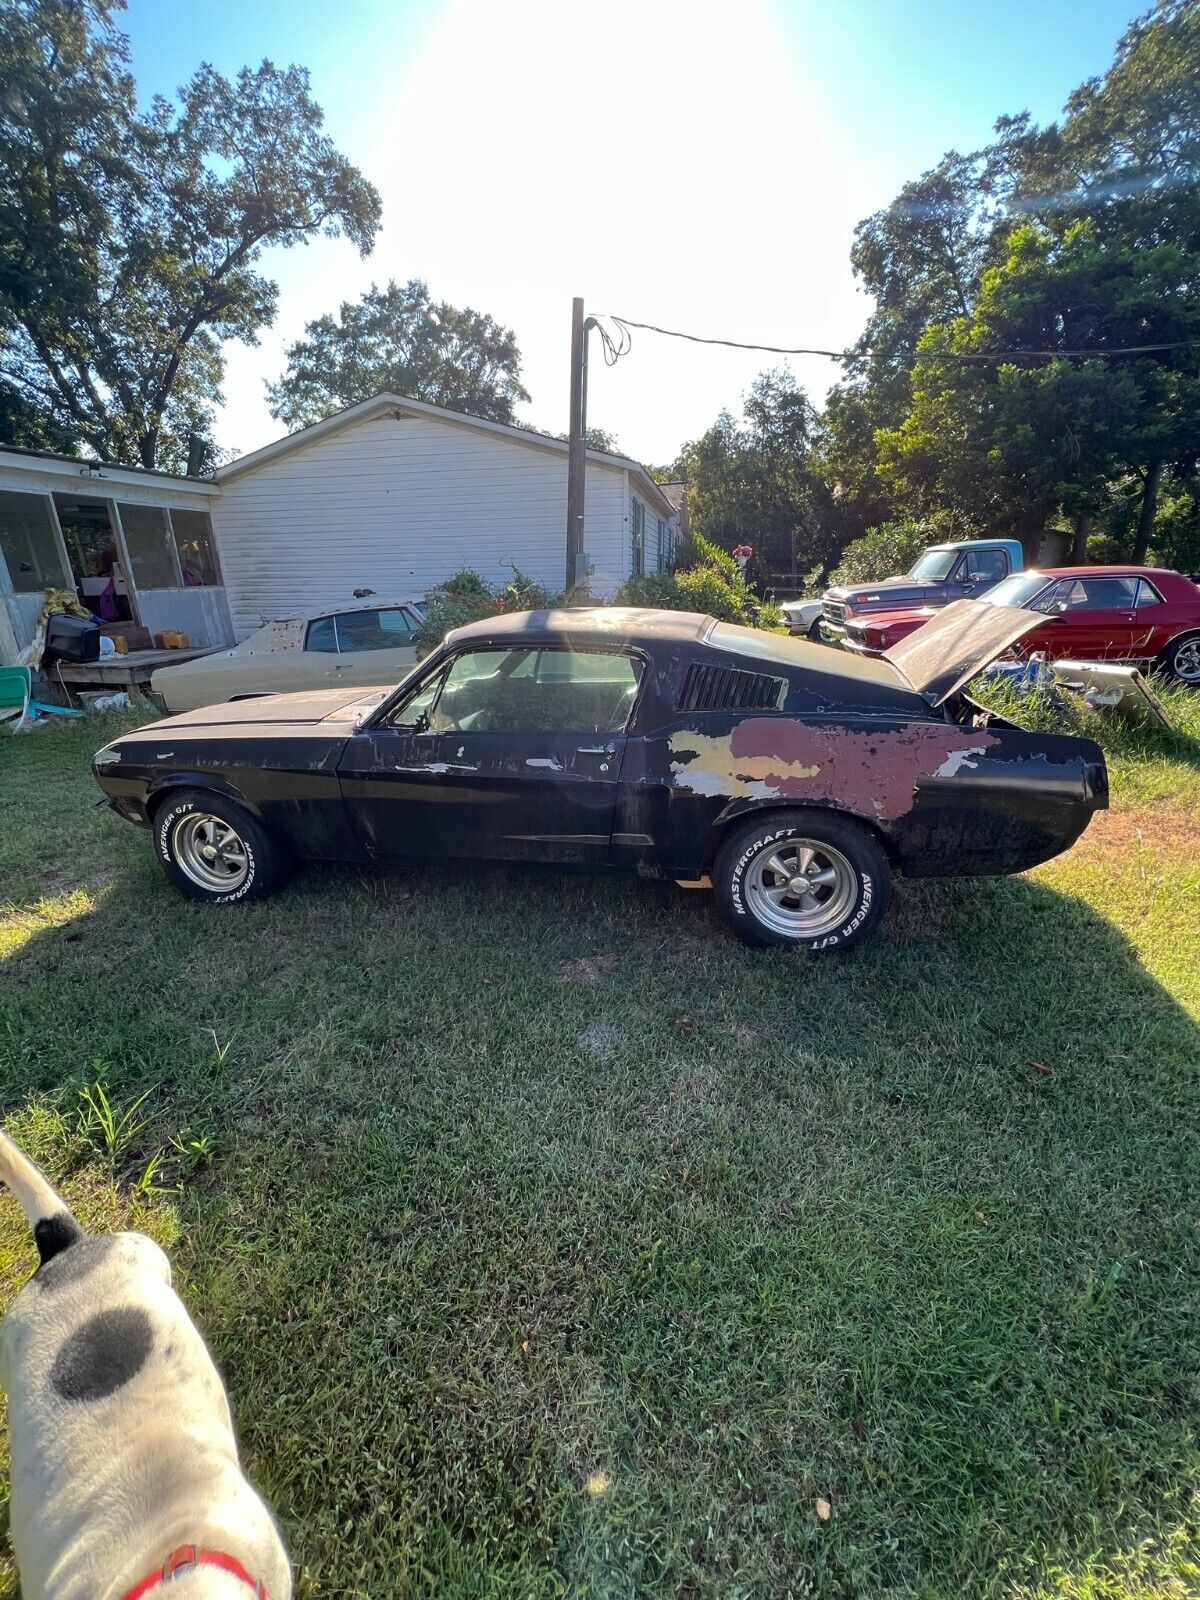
{"x":1139,"y":614}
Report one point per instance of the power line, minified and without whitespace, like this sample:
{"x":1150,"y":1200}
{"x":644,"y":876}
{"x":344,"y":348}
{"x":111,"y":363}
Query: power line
{"x":614,"y":349}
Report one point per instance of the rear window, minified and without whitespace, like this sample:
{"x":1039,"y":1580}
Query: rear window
{"x":780,"y":648}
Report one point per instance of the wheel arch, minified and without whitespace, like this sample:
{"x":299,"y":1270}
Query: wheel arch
{"x":1175,"y":641}
{"x":171,"y":783}
{"x":734,"y":815}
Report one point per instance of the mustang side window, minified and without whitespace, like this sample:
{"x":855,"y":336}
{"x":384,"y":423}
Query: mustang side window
{"x":537,"y":691}
{"x":1147,"y":595}
{"x":1101,"y":594}
{"x":416,"y":711}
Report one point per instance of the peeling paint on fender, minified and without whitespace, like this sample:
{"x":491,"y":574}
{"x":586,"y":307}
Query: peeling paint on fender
{"x":775,"y":758}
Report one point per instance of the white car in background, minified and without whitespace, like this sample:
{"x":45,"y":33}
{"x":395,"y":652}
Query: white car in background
{"x":803,"y":618}
{"x":351,"y":646}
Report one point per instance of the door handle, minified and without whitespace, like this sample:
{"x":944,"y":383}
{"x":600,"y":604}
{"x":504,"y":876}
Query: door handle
{"x":595,"y":749}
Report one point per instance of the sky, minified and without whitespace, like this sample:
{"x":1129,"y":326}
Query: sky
{"x":699,"y":164}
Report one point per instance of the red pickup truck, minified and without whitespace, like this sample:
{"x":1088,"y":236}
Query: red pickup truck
{"x":1140,"y":614}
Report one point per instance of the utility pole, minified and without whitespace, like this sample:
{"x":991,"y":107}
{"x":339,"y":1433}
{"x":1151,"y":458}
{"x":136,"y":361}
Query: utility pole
{"x":576,"y":451}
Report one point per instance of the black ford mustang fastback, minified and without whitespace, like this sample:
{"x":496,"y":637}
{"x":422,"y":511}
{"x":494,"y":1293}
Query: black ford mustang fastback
{"x":794,"y":778}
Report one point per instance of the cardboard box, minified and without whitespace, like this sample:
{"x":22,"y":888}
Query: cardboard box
{"x":171,"y":639}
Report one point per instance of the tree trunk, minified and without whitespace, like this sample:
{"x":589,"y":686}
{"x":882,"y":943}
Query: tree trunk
{"x":1083,"y":527}
{"x":1145,"y":525}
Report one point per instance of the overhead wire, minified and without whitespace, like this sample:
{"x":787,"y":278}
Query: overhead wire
{"x":618,"y":345}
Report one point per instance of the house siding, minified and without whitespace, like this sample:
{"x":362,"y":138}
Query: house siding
{"x":398,"y":504}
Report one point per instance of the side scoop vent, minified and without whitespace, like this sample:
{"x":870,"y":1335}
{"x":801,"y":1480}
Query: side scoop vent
{"x":719,"y":688}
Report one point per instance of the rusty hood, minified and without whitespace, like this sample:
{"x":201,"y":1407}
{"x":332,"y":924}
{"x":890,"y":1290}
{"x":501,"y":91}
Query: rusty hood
{"x":956,"y":644}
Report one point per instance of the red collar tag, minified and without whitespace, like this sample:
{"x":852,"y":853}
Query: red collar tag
{"x":188,"y":1556}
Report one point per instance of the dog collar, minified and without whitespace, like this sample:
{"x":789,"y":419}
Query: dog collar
{"x":192,"y":1555}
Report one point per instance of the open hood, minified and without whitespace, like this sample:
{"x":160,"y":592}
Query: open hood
{"x":956,"y":644}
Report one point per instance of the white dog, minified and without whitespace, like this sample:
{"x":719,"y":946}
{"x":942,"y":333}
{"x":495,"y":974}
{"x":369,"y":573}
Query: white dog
{"x":125,"y":1475}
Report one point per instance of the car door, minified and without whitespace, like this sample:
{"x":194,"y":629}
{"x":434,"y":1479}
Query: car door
{"x":1154,"y":621}
{"x":501,"y":753}
{"x":374,"y":645}
{"x":1097,"y":618}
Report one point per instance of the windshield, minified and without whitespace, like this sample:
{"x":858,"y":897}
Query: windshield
{"x":1018,"y":590}
{"x":933,"y":565}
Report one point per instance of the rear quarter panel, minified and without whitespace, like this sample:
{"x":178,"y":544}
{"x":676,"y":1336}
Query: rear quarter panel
{"x":944,"y":799}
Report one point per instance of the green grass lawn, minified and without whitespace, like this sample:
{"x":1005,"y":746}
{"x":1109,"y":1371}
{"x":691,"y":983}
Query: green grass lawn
{"x":554,"y":1244}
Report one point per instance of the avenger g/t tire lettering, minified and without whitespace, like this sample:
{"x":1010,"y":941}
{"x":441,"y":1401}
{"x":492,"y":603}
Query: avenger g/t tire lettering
{"x":214,"y":851}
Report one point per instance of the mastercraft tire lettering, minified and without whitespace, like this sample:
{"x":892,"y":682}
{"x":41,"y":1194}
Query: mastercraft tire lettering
{"x":813,"y":880}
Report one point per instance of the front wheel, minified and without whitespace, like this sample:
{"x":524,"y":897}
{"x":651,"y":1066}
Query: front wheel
{"x":814,"y":631}
{"x":214,"y":851}
{"x":801,"y":879}
{"x":1181,"y":659}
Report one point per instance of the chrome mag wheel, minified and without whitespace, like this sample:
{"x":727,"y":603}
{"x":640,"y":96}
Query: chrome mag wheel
{"x":211,"y":852}
{"x":801,"y":888}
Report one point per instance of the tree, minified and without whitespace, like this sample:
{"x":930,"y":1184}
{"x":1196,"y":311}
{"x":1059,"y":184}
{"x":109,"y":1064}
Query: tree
{"x":1081,"y":236}
{"x":129,"y":241}
{"x":398,"y":339}
{"x":753,"y":482}
{"x":1124,"y":159}
{"x":920,"y":258}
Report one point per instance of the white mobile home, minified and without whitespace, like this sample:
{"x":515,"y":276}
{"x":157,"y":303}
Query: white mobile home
{"x":395,"y":495}
{"x":392,"y":495}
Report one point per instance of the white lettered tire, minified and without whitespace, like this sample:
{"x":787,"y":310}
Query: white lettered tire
{"x":1181,"y":659}
{"x":811,"y":880}
{"x":215,"y":851}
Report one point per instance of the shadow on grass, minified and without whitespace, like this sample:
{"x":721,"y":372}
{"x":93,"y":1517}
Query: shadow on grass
{"x":910,"y":1231}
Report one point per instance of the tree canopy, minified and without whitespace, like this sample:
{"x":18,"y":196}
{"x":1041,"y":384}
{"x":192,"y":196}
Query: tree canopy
{"x":1078,"y":239}
{"x":129,"y":238}
{"x":397,"y":338}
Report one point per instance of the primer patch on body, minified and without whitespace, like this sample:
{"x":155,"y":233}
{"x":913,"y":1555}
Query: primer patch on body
{"x":103,"y":1354}
{"x":776,"y":758}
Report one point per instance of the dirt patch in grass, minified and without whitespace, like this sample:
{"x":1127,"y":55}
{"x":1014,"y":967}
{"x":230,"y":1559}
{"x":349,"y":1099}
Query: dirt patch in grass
{"x":1163,"y":829}
{"x":585,"y":969}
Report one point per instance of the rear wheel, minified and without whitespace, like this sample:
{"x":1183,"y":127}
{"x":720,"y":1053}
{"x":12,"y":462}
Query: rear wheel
{"x":801,"y":878}
{"x":213,"y":850}
{"x":1181,"y":659}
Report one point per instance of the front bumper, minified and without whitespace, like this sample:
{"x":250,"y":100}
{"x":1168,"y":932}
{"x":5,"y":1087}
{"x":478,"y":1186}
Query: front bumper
{"x":849,"y":642}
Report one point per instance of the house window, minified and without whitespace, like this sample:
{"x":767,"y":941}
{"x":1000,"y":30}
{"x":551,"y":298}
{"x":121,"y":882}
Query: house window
{"x":194,"y":545}
{"x":151,"y":549}
{"x":28,"y":545}
{"x":662,"y":545}
{"x":639,"y":538}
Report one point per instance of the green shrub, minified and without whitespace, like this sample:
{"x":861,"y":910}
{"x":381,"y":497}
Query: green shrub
{"x":465,"y":585}
{"x":707,"y":589}
{"x":884,"y":552}
{"x":657,"y":591}
{"x":467,"y":597}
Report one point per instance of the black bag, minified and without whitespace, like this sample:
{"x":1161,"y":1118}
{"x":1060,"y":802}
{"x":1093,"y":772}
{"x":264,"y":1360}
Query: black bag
{"x":71,"y":639}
